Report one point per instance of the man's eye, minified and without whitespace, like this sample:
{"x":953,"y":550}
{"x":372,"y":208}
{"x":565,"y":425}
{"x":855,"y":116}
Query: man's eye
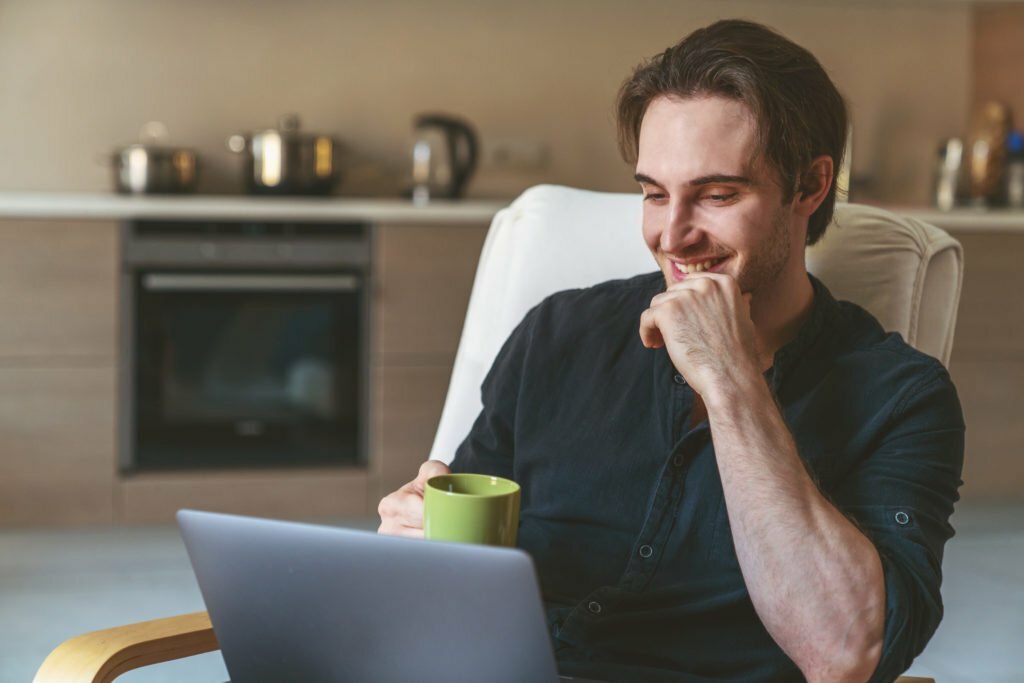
{"x":721,"y":197}
{"x":653,"y":196}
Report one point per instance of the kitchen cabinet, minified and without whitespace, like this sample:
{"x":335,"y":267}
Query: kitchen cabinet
{"x":58,"y":312}
{"x":424,"y":277}
{"x":59,"y":283}
{"x":987,"y":363}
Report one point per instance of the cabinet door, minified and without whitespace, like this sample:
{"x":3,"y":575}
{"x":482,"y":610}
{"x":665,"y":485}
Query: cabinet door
{"x":58,"y":290}
{"x":424,"y":276}
{"x":56,"y":446}
{"x":987,"y":364}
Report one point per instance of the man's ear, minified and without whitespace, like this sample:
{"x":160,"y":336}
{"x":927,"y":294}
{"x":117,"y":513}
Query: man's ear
{"x":814,"y":186}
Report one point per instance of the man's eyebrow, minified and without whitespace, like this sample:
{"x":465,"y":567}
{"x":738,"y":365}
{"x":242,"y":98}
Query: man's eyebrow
{"x":645,"y":179}
{"x":712,"y":179}
{"x":716,"y":178}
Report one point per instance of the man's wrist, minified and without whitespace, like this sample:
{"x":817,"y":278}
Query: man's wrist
{"x":747,"y":388}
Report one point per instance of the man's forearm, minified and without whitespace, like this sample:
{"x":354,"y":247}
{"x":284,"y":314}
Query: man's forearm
{"x":815,"y":580}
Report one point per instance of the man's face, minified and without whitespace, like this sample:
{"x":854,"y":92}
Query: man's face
{"x":708,"y":203}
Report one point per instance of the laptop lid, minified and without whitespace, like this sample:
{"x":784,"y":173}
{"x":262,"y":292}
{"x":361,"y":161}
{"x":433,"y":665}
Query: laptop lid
{"x":300,"y":602}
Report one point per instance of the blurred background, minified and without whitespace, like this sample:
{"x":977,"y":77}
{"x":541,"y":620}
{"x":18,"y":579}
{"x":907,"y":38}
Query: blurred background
{"x":80,"y":78}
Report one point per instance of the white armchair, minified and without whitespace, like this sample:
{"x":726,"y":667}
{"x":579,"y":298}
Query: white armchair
{"x":905,"y":272}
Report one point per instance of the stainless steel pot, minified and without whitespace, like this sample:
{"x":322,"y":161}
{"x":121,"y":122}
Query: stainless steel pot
{"x":149,"y":168}
{"x":284,"y":160}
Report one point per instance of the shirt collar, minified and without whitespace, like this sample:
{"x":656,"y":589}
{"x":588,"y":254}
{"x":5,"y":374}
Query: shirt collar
{"x":823,"y":308}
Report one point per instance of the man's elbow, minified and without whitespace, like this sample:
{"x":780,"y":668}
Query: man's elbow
{"x":851,"y":664}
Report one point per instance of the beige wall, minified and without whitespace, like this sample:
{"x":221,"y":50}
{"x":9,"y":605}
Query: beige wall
{"x":78,"y":77}
{"x":998,"y":57}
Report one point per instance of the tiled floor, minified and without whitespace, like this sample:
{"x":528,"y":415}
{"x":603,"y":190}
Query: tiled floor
{"x":55,"y":584}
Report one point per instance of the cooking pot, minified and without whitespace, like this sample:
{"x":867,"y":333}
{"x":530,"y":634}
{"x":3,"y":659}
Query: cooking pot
{"x":150,"y":168}
{"x":284,"y":160}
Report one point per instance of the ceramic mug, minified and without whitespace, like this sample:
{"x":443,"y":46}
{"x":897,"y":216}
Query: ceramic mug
{"x":471,"y":508}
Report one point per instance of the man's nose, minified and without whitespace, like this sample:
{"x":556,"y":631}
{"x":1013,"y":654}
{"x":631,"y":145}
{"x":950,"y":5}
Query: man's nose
{"x":680,"y":230}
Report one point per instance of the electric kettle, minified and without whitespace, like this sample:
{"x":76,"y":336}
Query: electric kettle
{"x":444,"y":156}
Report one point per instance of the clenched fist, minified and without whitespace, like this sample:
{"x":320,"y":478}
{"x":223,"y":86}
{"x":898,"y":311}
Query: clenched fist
{"x":704,"y":323}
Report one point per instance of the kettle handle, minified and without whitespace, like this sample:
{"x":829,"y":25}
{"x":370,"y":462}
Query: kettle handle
{"x":465,"y":164}
{"x":464,"y":167}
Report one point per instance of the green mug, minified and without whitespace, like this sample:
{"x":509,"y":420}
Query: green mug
{"x":471,"y":508}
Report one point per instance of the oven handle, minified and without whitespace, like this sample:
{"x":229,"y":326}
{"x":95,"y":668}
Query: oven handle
{"x":166,"y":282}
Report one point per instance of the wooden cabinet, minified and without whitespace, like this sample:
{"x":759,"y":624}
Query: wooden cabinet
{"x":58,"y":381}
{"x":987,"y":364}
{"x":58,"y":350}
{"x":424,"y":277}
{"x":58,"y":292}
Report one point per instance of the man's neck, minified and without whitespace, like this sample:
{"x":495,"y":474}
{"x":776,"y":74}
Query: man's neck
{"x":779,"y":313}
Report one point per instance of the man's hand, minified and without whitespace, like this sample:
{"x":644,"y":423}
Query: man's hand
{"x":704,"y":323}
{"x":401,"y":512}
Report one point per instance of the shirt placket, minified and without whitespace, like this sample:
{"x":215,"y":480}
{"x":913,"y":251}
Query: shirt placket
{"x":651,"y":541}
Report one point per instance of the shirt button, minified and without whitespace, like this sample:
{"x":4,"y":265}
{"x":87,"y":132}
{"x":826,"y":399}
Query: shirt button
{"x":678,"y":379}
{"x":594,"y":607}
{"x":678,"y":460}
{"x":646,"y":551}
{"x":902,"y":518}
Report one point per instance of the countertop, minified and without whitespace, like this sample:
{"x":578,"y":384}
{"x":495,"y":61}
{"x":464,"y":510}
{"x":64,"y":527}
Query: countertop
{"x":101,"y":206}
{"x":965,"y":219}
{"x":109,"y":206}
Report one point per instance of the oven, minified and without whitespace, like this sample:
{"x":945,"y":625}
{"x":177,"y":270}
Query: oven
{"x":244,"y":344}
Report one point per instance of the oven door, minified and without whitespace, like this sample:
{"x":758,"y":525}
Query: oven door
{"x":243,"y":369}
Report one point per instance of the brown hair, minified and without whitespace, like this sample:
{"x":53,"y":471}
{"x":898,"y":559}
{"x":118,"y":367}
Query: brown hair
{"x":799,"y":112}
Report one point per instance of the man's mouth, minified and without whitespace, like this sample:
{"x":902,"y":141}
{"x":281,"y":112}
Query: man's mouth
{"x":683,"y":269}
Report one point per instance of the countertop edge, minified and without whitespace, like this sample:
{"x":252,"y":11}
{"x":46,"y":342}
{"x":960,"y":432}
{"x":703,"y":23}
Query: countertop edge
{"x":98,"y":206}
{"x":87,"y":206}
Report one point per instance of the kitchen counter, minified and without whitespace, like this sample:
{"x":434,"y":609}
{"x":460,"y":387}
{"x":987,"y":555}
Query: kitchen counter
{"x":100,"y":206}
{"x":966,"y":219}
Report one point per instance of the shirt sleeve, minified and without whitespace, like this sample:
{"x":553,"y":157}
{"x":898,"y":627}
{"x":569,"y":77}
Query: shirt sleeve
{"x":902,"y":496}
{"x":490,"y":446}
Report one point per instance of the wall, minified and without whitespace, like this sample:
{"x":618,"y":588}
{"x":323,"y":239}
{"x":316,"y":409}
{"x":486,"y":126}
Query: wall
{"x":79,"y":77}
{"x":997,"y":57}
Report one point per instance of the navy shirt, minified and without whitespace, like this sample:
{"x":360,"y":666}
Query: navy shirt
{"x":622,"y":504}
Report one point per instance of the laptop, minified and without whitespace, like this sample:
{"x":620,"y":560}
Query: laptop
{"x":301,"y":602}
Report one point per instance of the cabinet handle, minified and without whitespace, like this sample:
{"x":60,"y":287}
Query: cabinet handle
{"x":164,"y":282}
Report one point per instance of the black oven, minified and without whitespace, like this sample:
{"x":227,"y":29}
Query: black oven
{"x":244,"y":345}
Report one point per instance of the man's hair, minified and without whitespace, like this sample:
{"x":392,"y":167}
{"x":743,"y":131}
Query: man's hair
{"x":798,"y":111}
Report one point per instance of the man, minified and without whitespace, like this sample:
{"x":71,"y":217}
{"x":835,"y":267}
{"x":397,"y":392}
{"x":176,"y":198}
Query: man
{"x":726,"y":473}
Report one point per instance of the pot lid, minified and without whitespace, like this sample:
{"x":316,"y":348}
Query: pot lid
{"x":288,"y":127}
{"x":153,"y":140}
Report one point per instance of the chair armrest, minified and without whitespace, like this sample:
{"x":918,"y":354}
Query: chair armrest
{"x":102,"y":656}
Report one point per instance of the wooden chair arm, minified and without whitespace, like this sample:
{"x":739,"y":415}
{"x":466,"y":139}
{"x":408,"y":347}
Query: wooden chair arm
{"x":102,"y":656}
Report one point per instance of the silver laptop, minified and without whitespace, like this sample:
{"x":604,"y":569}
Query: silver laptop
{"x":299,"y":602}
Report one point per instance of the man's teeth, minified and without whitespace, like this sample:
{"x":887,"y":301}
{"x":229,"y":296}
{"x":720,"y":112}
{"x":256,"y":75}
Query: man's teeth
{"x":696,"y":267}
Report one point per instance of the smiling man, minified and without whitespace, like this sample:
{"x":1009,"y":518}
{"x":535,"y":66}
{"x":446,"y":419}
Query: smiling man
{"x":726,"y":473}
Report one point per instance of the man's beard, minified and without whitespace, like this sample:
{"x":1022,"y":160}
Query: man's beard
{"x":766,"y":265}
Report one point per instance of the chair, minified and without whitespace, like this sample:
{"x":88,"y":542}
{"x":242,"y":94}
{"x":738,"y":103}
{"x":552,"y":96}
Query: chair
{"x":907,"y":273}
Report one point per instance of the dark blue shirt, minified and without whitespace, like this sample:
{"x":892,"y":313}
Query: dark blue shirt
{"x":622,"y":504}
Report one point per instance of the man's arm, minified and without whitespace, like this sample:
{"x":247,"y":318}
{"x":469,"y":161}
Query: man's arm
{"x":815,"y":580}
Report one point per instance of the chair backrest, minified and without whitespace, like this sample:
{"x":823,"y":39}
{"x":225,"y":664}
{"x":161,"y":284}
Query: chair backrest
{"x":905,"y":272}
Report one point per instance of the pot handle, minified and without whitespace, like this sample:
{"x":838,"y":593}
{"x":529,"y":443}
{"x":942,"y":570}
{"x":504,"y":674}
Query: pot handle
{"x":237,"y":143}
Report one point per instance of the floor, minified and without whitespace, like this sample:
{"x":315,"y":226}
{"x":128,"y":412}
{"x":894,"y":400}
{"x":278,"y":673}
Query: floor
{"x":55,"y":584}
